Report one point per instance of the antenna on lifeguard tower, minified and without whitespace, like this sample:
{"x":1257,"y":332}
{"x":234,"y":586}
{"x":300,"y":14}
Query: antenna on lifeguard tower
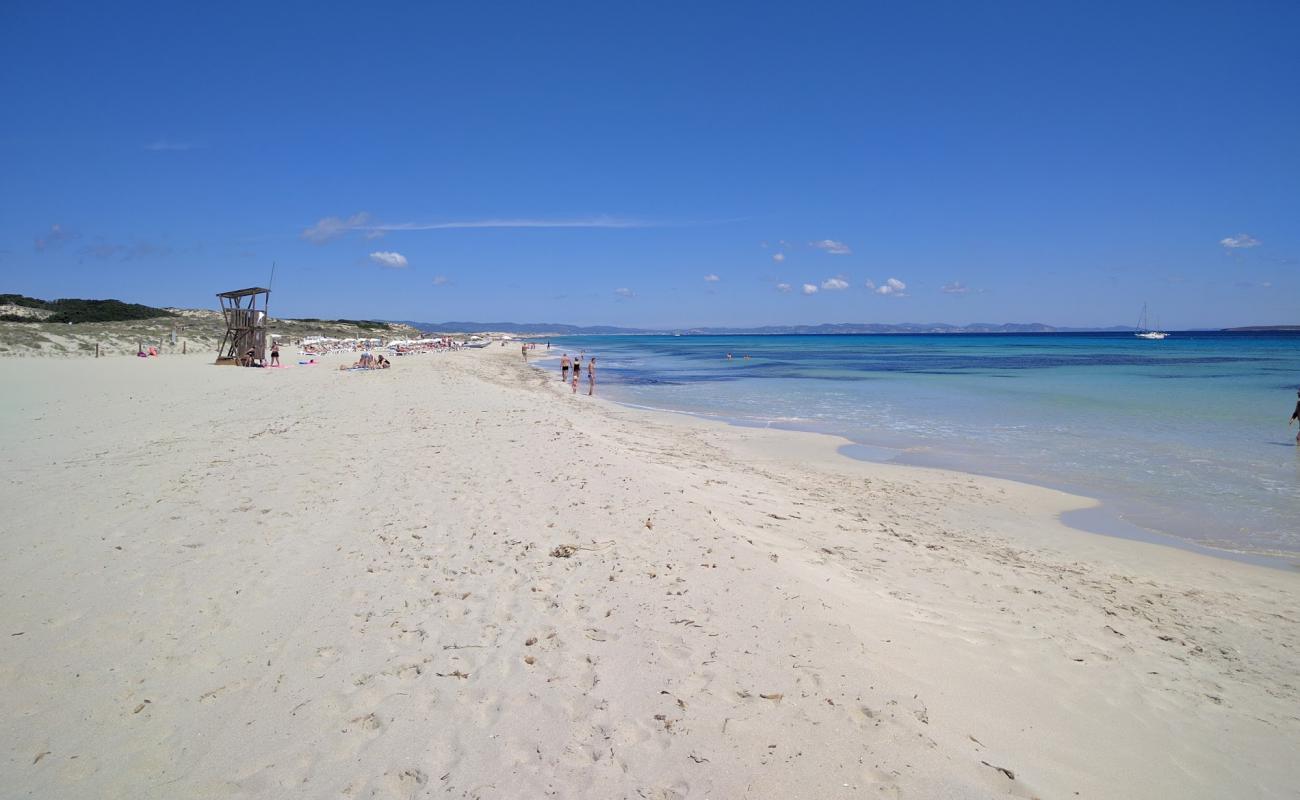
{"x":270,"y":284}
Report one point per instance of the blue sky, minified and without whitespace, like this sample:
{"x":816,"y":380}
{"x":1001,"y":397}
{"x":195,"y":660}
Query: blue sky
{"x":660,"y":163}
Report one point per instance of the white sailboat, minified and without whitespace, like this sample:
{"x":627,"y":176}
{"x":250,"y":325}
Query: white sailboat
{"x":1143,"y":332}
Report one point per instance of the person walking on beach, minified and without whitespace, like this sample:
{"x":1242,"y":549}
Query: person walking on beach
{"x":524,"y":349}
{"x":577,"y":367}
{"x":275,"y":354}
{"x":574,"y":383}
{"x":564,"y":368}
{"x":591,"y":378}
{"x":1295,"y":417}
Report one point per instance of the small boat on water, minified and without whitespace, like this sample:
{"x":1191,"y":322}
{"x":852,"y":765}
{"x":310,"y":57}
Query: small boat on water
{"x":1144,"y":332}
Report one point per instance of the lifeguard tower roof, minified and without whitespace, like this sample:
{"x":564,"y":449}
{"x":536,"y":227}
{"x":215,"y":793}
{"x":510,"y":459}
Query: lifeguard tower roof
{"x":244,"y":292}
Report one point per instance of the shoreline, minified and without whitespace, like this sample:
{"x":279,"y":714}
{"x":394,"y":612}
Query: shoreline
{"x":1101,"y":517}
{"x":349,"y":583}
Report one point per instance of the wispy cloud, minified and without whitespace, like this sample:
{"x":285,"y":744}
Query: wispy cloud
{"x":892,"y":287}
{"x":809,"y":288}
{"x":388,"y":258}
{"x":711,"y":278}
{"x":55,"y":237}
{"x":167,"y":145}
{"x":330,"y":228}
{"x":1240,"y":241}
{"x":835,"y":284}
{"x":107,"y":251}
{"x":778,"y":257}
{"x":584,"y":222}
{"x":831,"y":246}
{"x":956,"y":287}
{"x":624,"y":292}
{"x":784,"y":288}
{"x":441,"y":280}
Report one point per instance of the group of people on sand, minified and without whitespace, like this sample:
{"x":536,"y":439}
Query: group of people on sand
{"x":575,"y":364}
{"x":368,"y":360}
{"x":250,"y":358}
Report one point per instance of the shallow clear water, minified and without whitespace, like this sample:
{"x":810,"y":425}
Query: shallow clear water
{"x":1186,"y":436}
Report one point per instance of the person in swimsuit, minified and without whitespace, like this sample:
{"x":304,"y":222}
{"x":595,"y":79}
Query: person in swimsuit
{"x":574,"y":382}
{"x":564,"y":368}
{"x":275,"y":354}
{"x":591,"y":376}
{"x":1295,"y":417}
{"x":577,"y":367}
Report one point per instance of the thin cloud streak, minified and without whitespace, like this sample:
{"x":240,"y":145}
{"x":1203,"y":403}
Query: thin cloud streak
{"x":329,"y":228}
{"x":592,"y":222}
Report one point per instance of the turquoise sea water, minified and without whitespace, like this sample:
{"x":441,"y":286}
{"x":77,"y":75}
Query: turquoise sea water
{"x":1186,"y":436}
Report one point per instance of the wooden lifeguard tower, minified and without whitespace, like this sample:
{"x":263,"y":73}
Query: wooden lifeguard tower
{"x":245,"y":312}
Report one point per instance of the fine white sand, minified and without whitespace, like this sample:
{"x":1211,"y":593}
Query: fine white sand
{"x":221,"y":582}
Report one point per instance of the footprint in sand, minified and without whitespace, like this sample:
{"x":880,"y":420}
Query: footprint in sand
{"x":407,"y":781}
{"x":369,"y":722}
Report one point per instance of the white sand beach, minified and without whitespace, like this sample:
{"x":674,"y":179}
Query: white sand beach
{"x":456,"y":579}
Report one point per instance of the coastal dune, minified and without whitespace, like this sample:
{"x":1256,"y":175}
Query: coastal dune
{"x":455,"y":578}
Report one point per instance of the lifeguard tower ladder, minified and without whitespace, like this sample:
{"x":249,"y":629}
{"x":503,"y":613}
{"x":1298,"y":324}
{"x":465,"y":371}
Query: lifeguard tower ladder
{"x":245,"y":324}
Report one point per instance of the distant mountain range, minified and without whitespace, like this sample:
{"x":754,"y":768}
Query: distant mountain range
{"x":823,"y":329}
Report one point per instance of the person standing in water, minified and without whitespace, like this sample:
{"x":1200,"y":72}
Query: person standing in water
{"x":1295,"y":417}
{"x":591,"y":379}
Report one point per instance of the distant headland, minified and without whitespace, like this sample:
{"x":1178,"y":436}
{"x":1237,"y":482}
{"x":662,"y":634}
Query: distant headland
{"x":558,"y":329}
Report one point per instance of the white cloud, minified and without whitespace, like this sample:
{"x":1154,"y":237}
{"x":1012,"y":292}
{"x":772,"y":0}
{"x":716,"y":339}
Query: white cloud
{"x":870,"y":284}
{"x":784,"y":288}
{"x":623,"y":291}
{"x":778,"y":257}
{"x":831,"y":246}
{"x":385,"y":258}
{"x":893,"y":286}
{"x":810,"y":288}
{"x":331,"y":228}
{"x":1239,"y":241}
{"x":835,"y":284}
{"x":441,"y":280}
{"x":956,"y":287}
{"x":711,"y":278}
